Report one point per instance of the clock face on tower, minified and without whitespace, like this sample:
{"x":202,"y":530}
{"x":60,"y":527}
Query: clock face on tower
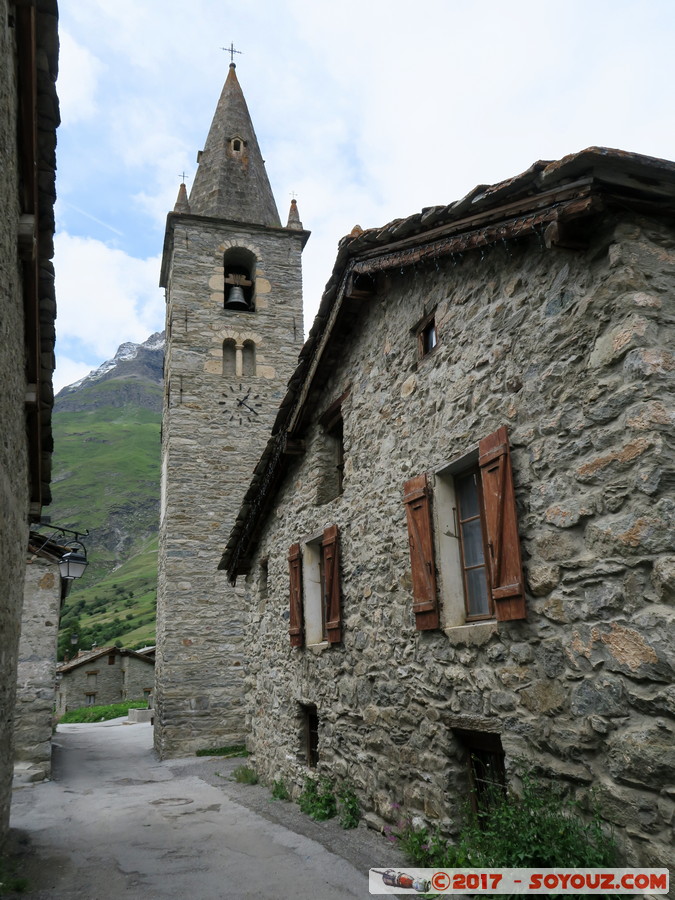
{"x":241,"y":405}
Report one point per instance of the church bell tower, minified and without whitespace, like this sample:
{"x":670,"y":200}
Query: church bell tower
{"x":234,"y":329}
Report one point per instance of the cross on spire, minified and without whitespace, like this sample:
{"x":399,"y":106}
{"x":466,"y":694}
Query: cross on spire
{"x":231,"y":51}
{"x":183,"y":177}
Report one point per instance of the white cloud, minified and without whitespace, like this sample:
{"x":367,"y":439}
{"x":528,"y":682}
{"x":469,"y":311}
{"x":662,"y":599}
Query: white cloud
{"x":368,"y":110}
{"x":104,"y":296}
{"x":68,"y":371}
{"x":79,"y":72}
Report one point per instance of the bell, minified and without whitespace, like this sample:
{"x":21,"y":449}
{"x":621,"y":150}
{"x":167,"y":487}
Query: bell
{"x":236,"y":300}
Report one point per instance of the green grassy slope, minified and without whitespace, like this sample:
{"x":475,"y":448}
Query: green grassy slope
{"x":105,"y":480}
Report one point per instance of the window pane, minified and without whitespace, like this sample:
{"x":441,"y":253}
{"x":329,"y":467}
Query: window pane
{"x":477,"y":595}
{"x":472,"y":538}
{"x":467,"y":495}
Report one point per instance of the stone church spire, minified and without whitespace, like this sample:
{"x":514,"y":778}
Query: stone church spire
{"x":231,"y":181}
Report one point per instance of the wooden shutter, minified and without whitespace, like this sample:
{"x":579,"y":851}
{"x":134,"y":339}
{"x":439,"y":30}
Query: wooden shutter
{"x":505,"y":570}
{"x":330,"y":549}
{"x":296,"y":625}
{"x":417,"y":500}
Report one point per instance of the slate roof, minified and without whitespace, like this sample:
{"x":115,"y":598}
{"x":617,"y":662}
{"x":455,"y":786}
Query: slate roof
{"x":541,"y":201}
{"x":88,"y":657}
{"x":231,"y":185}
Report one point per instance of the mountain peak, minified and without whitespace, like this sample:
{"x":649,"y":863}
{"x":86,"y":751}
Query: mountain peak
{"x":131,"y":360}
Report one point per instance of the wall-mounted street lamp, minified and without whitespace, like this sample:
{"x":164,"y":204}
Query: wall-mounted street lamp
{"x":73,"y":561}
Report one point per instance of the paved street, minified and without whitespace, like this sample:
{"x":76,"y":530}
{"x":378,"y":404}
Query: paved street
{"x":117,"y":822}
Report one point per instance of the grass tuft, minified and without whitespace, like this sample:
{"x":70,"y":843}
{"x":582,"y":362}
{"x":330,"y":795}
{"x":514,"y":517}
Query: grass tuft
{"x":245,"y":775}
{"x":101,"y":713}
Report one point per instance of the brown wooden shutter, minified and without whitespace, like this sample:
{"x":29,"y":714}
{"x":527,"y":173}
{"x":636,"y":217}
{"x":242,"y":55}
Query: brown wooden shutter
{"x":296,"y":625}
{"x":501,"y":524}
{"x":417,"y":500}
{"x":330,"y":548}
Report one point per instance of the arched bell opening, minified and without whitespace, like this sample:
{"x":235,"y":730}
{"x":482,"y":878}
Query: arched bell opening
{"x":239,"y":286}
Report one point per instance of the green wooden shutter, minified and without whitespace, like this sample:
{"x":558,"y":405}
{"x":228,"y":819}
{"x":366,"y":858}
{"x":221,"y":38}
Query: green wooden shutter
{"x":330,"y":549}
{"x":296,"y":628}
{"x":417,"y":500}
{"x":501,"y":524}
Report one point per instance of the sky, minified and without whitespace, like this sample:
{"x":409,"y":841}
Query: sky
{"x":365,"y":110}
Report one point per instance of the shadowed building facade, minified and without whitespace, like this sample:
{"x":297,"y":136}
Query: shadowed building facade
{"x":234,"y":328}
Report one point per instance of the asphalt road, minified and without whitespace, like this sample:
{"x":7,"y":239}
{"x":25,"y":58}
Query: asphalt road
{"x":117,"y":822}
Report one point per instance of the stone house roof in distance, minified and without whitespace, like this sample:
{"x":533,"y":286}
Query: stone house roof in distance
{"x":86,"y":658}
{"x":555,"y":201}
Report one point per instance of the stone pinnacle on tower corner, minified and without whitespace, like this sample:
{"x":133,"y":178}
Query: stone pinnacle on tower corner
{"x":231,"y":181}
{"x":182,"y":204}
{"x":294,"y":216}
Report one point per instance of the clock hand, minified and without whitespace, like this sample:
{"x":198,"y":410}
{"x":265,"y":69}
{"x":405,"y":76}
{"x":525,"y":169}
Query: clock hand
{"x":244,"y":403}
{"x":241,"y":401}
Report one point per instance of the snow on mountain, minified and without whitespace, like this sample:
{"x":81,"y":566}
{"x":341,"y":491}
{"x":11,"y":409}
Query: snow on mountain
{"x":126,"y":354}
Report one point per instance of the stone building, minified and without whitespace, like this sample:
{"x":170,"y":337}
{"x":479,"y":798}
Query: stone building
{"x":103,"y":676}
{"x":28,"y":120}
{"x":458,"y":543}
{"x":234,"y":327}
{"x":44,"y":592}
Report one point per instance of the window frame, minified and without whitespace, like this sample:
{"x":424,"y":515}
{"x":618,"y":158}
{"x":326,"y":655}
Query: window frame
{"x":438,"y":579}
{"x":422,"y":330}
{"x":315,"y":617}
{"x":490,"y":614}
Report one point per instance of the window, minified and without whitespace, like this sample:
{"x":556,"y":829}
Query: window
{"x":487,"y":774}
{"x":314,"y":571}
{"x":248,"y":359}
{"x":474,"y":547}
{"x":263,"y":580}
{"x":472,"y":543}
{"x":111,"y":659}
{"x":332,"y":453}
{"x":310,"y":734}
{"x":90,"y":699}
{"x":427,"y":336}
{"x":229,"y":357}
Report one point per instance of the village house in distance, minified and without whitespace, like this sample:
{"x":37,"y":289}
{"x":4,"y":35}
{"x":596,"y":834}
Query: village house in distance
{"x":102,"y":676}
{"x":457,"y":550}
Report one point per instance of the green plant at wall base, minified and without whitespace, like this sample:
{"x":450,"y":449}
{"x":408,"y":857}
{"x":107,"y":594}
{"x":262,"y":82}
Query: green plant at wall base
{"x":245,"y":775}
{"x":279,"y":790}
{"x":539,"y":828}
{"x":350,"y":811}
{"x":317,"y":799}
{"x":10,"y":881}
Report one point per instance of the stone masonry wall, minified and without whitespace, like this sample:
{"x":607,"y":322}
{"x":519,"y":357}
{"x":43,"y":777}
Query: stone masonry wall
{"x":211,"y":444}
{"x":126,"y":678}
{"x":573,"y":352}
{"x":36,"y":670}
{"x":13,"y":449}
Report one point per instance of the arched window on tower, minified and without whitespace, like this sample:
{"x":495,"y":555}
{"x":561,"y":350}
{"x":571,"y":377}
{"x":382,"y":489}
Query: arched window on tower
{"x":229,"y":357}
{"x":248,"y":358}
{"x":239,"y":287}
